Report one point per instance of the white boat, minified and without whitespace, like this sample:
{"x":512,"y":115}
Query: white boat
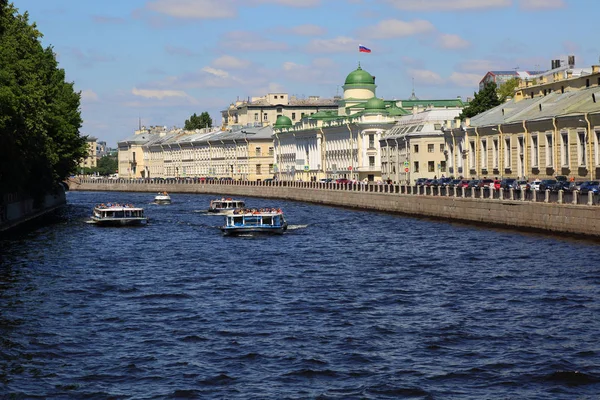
{"x":112,"y":214}
{"x":255,"y":221}
{"x":162,"y":198}
{"x":225,"y":205}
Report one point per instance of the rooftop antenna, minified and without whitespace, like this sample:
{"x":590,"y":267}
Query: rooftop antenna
{"x":139,"y":122}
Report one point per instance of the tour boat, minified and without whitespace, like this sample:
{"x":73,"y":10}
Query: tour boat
{"x":225,"y":205}
{"x":113,"y":214}
{"x":254,"y":221}
{"x":162,"y":198}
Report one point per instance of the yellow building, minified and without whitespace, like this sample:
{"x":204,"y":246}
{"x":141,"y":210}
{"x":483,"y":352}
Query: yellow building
{"x":548,"y":129}
{"x":91,"y":161}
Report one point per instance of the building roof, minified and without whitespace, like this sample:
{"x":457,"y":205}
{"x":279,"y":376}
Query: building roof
{"x":554,"y":104}
{"x":428,"y":122}
{"x":359,"y":77}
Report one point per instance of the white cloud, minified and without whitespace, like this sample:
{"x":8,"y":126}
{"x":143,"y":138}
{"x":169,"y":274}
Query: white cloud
{"x":158,"y":94}
{"x":89,"y":96}
{"x":465,"y":79}
{"x":448,"y":5}
{"x":542,"y":4}
{"x":217,"y":72}
{"x":426,"y":77}
{"x":392,"y":28}
{"x":194,"y":9}
{"x":250,"y":41}
{"x":483,"y":66}
{"x":340,"y":44}
{"x":230,"y":62}
{"x":452,"y":42}
{"x":308,"y":30}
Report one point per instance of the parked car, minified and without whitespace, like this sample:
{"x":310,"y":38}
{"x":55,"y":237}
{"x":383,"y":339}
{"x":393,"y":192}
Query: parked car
{"x":546,"y":184}
{"x":535,"y":185}
{"x":496,"y":184}
{"x":343,"y":181}
{"x":578,"y":185}
{"x":508,"y":183}
{"x":591,"y":186}
{"x":473,"y":183}
{"x":420,"y":181}
{"x":326,"y":180}
{"x":444,"y":181}
{"x":454,"y":182}
{"x":486,"y":183}
{"x":560,"y":185}
{"x":523,"y":185}
{"x":463,"y":183}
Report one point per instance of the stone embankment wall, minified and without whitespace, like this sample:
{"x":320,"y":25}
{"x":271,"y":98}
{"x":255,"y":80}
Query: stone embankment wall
{"x":574,"y":219}
{"x":16,"y":211}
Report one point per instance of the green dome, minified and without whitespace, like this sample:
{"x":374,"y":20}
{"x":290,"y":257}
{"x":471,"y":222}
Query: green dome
{"x":359,"y":77}
{"x":283,"y":122}
{"x":374,"y":104}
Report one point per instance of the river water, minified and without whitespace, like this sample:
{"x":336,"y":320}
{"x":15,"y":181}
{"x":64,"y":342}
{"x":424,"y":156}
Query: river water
{"x":346,"y":305}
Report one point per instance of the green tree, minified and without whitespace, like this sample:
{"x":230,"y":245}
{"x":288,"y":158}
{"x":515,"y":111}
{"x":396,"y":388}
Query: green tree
{"x":198,"y":122}
{"x":107,"y":165}
{"x":40,"y":144}
{"x":507,"y":89}
{"x":485,"y":99}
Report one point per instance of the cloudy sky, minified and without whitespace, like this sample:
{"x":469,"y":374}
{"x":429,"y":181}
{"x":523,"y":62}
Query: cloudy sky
{"x":163,"y":60}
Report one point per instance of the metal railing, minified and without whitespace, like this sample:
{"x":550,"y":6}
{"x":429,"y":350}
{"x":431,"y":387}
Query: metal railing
{"x":480,"y":193}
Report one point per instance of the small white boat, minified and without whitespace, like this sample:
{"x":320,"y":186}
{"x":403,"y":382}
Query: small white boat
{"x":225,"y":205}
{"x":254,"y":221}
{"x":162,"y":198}
{"x":112,"y":214}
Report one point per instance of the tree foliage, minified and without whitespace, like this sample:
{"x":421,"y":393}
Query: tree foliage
{"x":107,"y":165}
{"x":507,"y":89}
{"x":485,"y":99}
{"x":40,"y":144}
{"x":198,"y":122}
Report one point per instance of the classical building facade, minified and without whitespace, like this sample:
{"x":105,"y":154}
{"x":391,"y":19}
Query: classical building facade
{"x":264,"y":111}
{"x":548,"y":129}
{"x":415,"y":147}
{"x":347,"y":143}
{"x":239,"y":154}
{"x":91,"y":161}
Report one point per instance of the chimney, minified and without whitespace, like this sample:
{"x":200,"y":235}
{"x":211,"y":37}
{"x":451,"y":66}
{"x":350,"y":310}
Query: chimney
{"x":595,"y":69}
{"x":569,"y":74}
{"x":571,"y":61}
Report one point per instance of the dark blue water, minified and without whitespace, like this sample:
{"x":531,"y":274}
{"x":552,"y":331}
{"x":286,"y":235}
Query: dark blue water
{"x":346,"y":305}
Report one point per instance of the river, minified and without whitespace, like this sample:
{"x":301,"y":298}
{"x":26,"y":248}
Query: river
{"x":347,"y":304}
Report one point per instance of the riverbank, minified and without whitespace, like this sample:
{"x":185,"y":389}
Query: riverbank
{"x":484,"y":208}
{"x":17,"y":212}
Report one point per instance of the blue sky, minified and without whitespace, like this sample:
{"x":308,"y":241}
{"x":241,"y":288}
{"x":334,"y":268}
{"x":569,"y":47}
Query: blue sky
{"x":163,"y":60}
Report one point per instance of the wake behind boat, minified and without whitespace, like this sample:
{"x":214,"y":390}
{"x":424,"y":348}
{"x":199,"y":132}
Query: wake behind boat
{"x":113,"y":214}
{"x":255,"y":221}
{"x":225,"y":205}
{"x":162,"y":198}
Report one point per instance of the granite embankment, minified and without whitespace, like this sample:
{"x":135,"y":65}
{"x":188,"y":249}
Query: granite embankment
{"x":16,"y":211}
{"x":477,"y":207}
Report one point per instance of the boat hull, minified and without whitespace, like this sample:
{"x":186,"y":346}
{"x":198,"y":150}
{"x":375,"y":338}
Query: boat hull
{"x":254,"y":230}
{"x":119,"y":221}
{"x":162,"y":201}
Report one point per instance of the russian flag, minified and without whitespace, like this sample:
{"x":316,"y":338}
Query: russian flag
{"x":363,"y":49}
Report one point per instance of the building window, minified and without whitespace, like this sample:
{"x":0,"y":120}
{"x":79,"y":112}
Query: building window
{"x":256,"y":116}
{"x":582,"y":148}
{"x":430,"y":148}
{"x":597,"y":146}
{"x":270,"y":169}
{"x":564,"y":152}
{"x":258,"y":169}
{"x":258,"y":151}
{"x":549,"y":151}
{"x":294,"y":116}
{"x":271,"y":151}
{"x":484,"y":154}
{"x":302,"y":115}
{"x":430,"y":166}
{"x":437,"y":127}
{"x":279,"y":110}
{"x":442,"y":147}
{"x":534,"y":151}
{"x":495,"y":155}
{"x":507,"y":153}
{"x":443,"y":166}
{"x":371,"y":161}
{"x":265,"y":117}
{"x":416,"y":148}
{"x":371,"y":141}
{"x":416,"y":166}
